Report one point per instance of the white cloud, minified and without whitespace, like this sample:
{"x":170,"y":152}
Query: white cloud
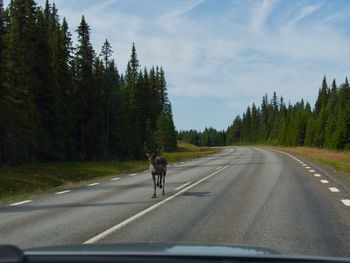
{"x":260,"y":14}
{"x":305,"y":11}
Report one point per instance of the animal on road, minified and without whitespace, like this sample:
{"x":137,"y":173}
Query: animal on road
{"x":157,"y":167}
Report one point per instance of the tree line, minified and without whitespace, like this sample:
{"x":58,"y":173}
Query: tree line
{"x":65,"y":102}
{"x":326,"y":125}
{"x":208,"y":137}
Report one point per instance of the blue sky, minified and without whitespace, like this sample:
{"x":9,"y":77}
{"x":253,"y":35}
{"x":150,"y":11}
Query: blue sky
{"x":219,"y":56}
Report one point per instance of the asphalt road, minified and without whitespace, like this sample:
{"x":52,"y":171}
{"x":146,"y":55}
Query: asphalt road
{"x":243,"y":195}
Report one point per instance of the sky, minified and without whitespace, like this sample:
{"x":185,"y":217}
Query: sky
{"x":220,"y":56}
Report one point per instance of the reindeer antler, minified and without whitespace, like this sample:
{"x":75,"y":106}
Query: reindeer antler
{"x":146,"y":149}
{"x":144,"y":144}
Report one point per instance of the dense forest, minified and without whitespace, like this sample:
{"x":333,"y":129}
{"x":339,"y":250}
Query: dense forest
{"x":208,"y":137}
{"x":65,"y":102}
{"x":326,"y":125}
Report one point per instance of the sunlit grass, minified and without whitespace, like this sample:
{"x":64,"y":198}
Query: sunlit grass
{"x":339,"y":160}
{"x":20,"y":180}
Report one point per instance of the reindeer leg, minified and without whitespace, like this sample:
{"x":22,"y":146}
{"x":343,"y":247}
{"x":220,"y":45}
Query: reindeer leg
{"x":163,"y":193}
{"x":160,"y":181}
{"x":154,"y":184}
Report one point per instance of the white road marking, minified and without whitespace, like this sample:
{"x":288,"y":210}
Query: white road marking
{"x":140,"y":214}
{"x":218,"y":168}
{"x":21,"y":203}
{"x":304,"y":164}
{"x":334,"y":189}
{"x":182,"y":162}
{"x":93,"y":184}
{"x":324,"y":181}
{"x":145,"y":170}
{"x":182,"y":186}
{"x":311,"y":171}
{"x":308,"y":167}
{"x":346,"y":202}
{"x":115,"y":179}
{"x":317,"y":175}
{"x":132,"y":174}
{"x":63,"y":192}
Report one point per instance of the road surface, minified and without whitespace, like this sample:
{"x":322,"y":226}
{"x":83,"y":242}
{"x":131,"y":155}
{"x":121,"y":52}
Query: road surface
{"x":242,"y":195}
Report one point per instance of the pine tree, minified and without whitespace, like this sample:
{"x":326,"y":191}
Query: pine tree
{"x":3,"y":90}
{"x":22,"y":119}
{"x":106,"y":52}
{"x":135,"y":148}
{"x":87,"y":133}
{"x":322,"y":96}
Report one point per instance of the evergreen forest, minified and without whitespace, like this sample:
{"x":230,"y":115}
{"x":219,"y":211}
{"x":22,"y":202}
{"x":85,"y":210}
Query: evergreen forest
{"x":63,"y":102}
{"x":325,"y":125}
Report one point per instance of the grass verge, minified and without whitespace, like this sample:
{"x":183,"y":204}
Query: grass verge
{"x":339,"y":160}
{"x":22,"y":180}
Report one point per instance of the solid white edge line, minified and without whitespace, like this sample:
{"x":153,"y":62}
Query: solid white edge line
{"x":21,"y":203}
{"x":140,"y":214}
{"x":324,"y":181}
{"x":115,"y":179}
{"x":182,"y":186}
{"x":218,"y":168}
{"x":63,"y":192}
{"x":346,"y":202}
{"x":93,"y":184}
{"x":334,"y":189}
{"x":132,"y":174}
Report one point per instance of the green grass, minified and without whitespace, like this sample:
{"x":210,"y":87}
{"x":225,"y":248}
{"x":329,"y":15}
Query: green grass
{"x":339,"y":160}
{"x":22,"y":180}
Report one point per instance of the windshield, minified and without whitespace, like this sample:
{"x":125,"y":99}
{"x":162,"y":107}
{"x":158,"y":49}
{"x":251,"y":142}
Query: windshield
{"x":182,"y":121}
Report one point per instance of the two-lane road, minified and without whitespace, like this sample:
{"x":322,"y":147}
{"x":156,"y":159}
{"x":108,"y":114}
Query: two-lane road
{"x":243,"y":195}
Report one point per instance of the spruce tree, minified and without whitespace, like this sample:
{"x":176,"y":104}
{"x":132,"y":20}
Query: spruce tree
{"x":24,"y":130}
{"x":3,"y":90}
{"x":87,"y":132}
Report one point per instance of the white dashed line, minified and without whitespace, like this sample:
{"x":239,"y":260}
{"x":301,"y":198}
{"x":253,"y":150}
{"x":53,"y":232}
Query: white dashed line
{"x":334,"y":189}
{"x":304,"y":164}
{"x":346,"y":202}
{"x":147,"y":210}
{"x":182,"y":162}
{"x":132,"y":174}
{"x":324,"y":181}
{"x":182,"y":186}
{"x":115,"y":179}
{"x":317,"y":175}
{"x":311,"y":171}
{"x":21,"y":203}
{"x":218,"y":168}
{"x":308,"y":167}
{"x":63,"y":192}
{"x":93,"y":184}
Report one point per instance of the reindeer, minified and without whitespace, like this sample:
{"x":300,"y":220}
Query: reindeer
{"x":157,"y":167}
